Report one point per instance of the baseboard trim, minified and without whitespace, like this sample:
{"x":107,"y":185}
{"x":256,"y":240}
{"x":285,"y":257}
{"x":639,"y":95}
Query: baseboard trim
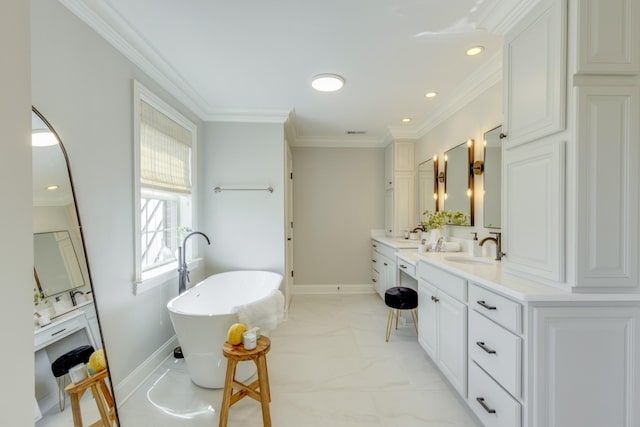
{"x":125,"y":388}
{"x":332,"y":289}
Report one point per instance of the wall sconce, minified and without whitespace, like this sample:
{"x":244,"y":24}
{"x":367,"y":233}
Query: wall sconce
{"x":441,"y":177}
{"x":478,"y":167}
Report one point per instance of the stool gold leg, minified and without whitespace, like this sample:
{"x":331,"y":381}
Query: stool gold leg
{"x":397,"y":314}
{"x":389,"y":320}
{"x":414,"y":314}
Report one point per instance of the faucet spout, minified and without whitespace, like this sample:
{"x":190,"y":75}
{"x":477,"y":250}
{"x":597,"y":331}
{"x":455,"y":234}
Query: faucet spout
{"x":183,"y":271}
{"x":498,"y":241}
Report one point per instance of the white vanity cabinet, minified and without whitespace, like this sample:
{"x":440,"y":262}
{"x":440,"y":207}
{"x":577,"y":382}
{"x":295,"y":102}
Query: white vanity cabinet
{"x":383,"y":266}
{"x":399,"y":188}
{"x":442,"y":322}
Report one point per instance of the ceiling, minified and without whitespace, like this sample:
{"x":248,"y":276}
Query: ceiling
{"x":254,"y":59}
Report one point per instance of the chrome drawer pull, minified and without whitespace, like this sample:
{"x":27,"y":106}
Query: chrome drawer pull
{"x":485,"y":348}
{"x":485,"y":305}
{"x":386,"y":263}
{"x":58,"y":332}
{"x":434,"y":299}
{"x":485,"y":406}
{"x":403,"y":266}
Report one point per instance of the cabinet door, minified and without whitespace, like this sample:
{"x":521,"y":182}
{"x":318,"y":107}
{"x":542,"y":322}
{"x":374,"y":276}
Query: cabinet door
{"x":534,"y":65}
{"x":403,"y":157}
{"x":533,"y":211}
{"x":388,"y":167}
{"x":404,"y":214}
{"x":586,"y":365}
{"x":427,"y":319}
{"x":388,"y":213}
{"x":452,"y":341}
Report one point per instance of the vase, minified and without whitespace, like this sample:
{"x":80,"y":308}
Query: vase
{"x":434,"y":235}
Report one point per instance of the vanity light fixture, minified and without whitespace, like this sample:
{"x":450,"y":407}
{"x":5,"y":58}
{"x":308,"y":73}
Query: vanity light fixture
{"x":441,"y":177}
{"x":43,"y":138}
{"x":406,"y":120}
{"x":327,"y":82}
{"x":475,"y":50}
{"x":478,"y":167}
{"x":52,"y":187}
{"x":469,"y":192}
{"x":431,"y":94}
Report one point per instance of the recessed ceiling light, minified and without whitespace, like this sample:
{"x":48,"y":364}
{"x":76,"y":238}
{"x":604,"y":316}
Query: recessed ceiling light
{"x":327,"y":82}
{"x":406,"y":120}
{"x":431,"y":94}
{"x":43,"y":138}
{"x":475,"y":50}
{"x":52,"y":187}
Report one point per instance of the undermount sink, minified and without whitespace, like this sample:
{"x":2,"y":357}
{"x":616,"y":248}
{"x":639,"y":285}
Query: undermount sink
{"x":468,"y":260}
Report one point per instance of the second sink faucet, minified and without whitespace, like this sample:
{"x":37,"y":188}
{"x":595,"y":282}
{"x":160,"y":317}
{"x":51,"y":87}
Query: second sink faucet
{"x":183,"y":271}
{"x":498,"y":241}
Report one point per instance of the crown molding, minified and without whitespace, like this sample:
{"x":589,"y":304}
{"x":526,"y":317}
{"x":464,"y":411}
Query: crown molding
{"x":247,"y":115}
{"x":476,"y":83}
{"x":506,"y":14}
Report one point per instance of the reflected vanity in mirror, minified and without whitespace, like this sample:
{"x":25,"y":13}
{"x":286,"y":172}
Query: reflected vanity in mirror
{"x":458,"y":179}
{"x":65,"y":317}
{"x":427,"y":187}
{"x":492,"y":178}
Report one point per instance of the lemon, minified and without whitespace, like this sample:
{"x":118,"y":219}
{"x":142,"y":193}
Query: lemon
{"x":97,"y":361}
{"x":234,"y":336}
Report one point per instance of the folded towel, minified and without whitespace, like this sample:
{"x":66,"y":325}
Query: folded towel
{"x":265,"y":313}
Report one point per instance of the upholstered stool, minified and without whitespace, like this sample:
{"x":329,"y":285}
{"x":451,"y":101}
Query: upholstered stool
{"x":60,"y":368}
{"x":101,"y":395}
{"x":401,"y":298}
{"x":259,"y":389}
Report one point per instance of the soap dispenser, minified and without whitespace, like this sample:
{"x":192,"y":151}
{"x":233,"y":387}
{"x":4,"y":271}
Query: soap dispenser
{"x":477,"y":249}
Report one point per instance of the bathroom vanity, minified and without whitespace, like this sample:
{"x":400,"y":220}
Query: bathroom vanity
{"x":517,"y":350}
{"x":384,"y":271}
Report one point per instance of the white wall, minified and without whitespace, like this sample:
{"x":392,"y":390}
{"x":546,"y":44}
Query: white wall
{"x":338,"y":198}
{"x":246,"y":228}
{"x":16,"y":271}
{"x":472,"y":121}
{"x":83,"y":87}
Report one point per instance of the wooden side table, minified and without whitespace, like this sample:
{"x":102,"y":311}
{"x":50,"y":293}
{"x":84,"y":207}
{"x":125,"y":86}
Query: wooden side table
{"x":258,"y":390}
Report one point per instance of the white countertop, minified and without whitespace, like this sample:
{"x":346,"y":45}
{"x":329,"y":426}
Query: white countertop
{"x":397,"y":243}
{"x":492,"y":276}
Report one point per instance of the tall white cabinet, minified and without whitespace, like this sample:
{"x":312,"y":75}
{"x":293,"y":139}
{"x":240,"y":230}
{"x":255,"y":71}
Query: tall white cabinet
{"x":400,"y":178}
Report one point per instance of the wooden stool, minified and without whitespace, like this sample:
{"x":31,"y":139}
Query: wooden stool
{"x":101,"y":395}
{"x":235,"y":354}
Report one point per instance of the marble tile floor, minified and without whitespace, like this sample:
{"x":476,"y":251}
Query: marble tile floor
{"x":329,"y":366}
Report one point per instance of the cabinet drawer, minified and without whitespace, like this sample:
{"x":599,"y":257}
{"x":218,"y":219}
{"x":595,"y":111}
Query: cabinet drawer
{"x":490,"y":403}
{"x":497,"y":351}
{"x":450,"y":283}
{"x":496,"y":307}
{"x":410,"y":269}
{"x":384,"y":250}
{"x":56,"y":331}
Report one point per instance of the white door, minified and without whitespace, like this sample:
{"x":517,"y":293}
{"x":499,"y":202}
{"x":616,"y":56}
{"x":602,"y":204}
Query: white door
{"x":289,"y":279}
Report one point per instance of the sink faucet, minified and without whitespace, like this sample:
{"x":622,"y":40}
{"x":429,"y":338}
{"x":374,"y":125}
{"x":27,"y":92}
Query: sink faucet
{"x":73,"y":296}
{"x":498,"y":241}
{"x":183,"y":271}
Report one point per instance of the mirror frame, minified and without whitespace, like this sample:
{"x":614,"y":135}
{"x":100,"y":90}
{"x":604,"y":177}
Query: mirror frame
{"x":35,"y":111}
{"x":470,"y":143}
{"x":435,"y":196}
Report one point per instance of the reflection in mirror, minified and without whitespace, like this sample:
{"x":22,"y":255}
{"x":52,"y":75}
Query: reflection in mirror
{"x":458,"y":184}
{"x":492,"y":178}
{"x":427,"y":187}
{"x":55,"y":262}
{"x":65,"y":317}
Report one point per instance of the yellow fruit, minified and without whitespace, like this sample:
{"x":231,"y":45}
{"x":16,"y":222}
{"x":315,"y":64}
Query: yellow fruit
{"x":234,"y":336}
{"x":97,"y":361}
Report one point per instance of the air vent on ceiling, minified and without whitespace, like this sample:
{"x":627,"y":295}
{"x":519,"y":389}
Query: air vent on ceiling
{"x":356,"y":132}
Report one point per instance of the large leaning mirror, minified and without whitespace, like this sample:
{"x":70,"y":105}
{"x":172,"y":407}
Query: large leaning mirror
{"x":427,"y":187}
{"x":458,"y":179}
{"x":65,"y":317}
{"x":492,"y":178}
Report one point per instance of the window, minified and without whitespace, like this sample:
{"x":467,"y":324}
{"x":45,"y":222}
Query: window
{"x":164,"y":168}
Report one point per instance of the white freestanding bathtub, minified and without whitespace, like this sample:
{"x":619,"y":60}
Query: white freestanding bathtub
{"x":202,"y":316}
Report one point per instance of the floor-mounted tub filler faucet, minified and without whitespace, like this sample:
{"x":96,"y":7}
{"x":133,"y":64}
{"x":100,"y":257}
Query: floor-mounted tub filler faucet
{"x":183,"y":276}
{"x":183,"y":271}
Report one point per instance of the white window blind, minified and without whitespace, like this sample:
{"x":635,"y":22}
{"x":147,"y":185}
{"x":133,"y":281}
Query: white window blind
{"x":165,"y":152}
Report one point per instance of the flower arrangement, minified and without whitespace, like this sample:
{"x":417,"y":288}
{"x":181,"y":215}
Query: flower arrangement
{"x":39,"y":297}
{"x":438,"y":219}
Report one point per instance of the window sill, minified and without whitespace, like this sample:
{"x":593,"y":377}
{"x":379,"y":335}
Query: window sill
{"x":161,"y":275}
